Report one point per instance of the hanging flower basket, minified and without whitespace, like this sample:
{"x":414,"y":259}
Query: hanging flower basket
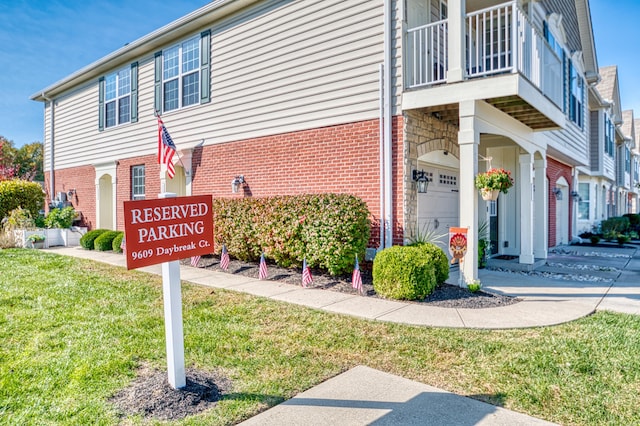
{"x":489,"y":194}
{"x":492,"y":182}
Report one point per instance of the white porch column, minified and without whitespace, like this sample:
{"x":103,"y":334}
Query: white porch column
{"x":541,"y":236}
{"x":468,"y":139}
{"x":114,"y":201}
{"x":98,"y":218}
{"x":186,"y":156}
{"x":526,"y":209}
{"x":456,"y":34}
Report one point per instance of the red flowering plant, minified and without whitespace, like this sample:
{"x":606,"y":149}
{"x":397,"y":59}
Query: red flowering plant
{"x":494,"y":179}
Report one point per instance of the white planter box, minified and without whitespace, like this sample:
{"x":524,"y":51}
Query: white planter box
{"x":53,"y":237}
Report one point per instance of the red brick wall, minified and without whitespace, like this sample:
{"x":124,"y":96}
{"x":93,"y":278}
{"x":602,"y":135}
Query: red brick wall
{"x":82,"y":179}
{"x":340,"y":159}
{"x":555,"y":170}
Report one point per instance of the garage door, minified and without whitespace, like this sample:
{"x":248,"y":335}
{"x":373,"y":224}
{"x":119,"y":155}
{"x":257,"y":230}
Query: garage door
{"x":439,"y":208}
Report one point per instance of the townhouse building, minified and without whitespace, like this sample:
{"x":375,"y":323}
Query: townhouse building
{"x":354,"y":96}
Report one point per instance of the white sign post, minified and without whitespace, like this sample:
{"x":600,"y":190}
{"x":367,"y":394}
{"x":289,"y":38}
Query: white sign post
{"x":164,"y":231}
{"x":174,"y":336}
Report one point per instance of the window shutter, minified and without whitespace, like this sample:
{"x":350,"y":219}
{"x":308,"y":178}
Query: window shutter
{"x":101,"y":104}
{"x":134,"y":92}
{"x":205,"y":67}
{"x":157,"y":100}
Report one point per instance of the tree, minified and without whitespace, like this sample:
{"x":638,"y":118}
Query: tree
{"x":24,"y":163}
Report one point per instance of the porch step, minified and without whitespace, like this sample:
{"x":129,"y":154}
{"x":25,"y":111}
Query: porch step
{"x":514,"y":264}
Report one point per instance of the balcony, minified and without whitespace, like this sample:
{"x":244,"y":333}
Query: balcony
{"x":499,"y":40}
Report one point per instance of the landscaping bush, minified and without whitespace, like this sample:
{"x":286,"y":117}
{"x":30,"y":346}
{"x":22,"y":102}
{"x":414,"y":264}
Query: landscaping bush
{"x":614,"y":226}
{"x":634,"y":221}
{"x":60,"y":218}
{"x":328,"y":229}
{"x":404,"y":273}
{"x":88,"y":239}
{"x":104,"y":241}
{"x":19,"y":218}
{"x":20,"y":193}
{"x":117,"y":242}
{"x":439,"y":260}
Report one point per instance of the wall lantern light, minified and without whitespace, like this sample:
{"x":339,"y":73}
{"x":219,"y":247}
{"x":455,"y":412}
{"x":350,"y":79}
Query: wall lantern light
{"x":558,"y":193}
{"x":236,"y":182}
{"x":575,"y":195}
{"x":422,"y":182}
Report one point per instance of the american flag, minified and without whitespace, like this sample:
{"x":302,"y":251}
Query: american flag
{"x":224,"y":258}
{"x":263,"y":273}
{"x":166,"y":149}
{"x":356,"y":278}
{"x":306,"y":274}
{"x":194,"y":261}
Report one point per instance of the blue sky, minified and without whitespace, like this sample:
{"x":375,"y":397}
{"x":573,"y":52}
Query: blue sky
{"x":43,"y":41}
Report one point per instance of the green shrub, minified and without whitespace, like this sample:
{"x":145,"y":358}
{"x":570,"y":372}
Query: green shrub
{"x":104,"y":241}
{"x":60,"y":218}
{"x":117,"y":242}
{"x":19,"y":218}
{"x":594,"y":239}
{"x":20,"y":193}
{"x":634,"y":220}
{"x":436,"y":257}
{"x":614,"y":225}
{"x":328,"y":229}
{"x":404,"y":273}
{"x":87,"y":240}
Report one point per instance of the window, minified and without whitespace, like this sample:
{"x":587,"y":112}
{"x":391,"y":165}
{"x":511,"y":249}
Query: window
{"x":609,"y":135}
{"x":627,"y":160}
{"x":443,"y":10}
{"x":137,"y":182}
{"x":583,"y":203}
{"x":181,"y":75}
{"x":117,"y":98}
{"x":576,"y":96}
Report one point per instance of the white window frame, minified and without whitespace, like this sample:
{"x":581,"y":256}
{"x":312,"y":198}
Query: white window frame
{"x":584,"y":200}
{"x":138,"y":182}
{"x":117,"y":90}
{"x":186,"y":64}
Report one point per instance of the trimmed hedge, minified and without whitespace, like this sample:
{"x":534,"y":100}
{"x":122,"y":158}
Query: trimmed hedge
{"x":20,"y":193}
{"x":117,"y":242}
{"x":104,"y":241}
{"x":404,"y":273}
{"x":615,"y":225}
{"x":438,"y":258}
{"x":328,"y":229}
{"x":88,"y":239}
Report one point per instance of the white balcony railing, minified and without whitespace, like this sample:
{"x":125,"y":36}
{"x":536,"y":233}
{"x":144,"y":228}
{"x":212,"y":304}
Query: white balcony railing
{"x":427,"y":47}
{"x":499,"y":39}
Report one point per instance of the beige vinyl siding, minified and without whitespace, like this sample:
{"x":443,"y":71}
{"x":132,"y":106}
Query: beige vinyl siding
{"x":572,"y":141}
{"x":275,"y":69}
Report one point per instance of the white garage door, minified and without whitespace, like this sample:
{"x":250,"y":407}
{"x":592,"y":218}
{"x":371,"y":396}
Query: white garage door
{"x":439,"y":208}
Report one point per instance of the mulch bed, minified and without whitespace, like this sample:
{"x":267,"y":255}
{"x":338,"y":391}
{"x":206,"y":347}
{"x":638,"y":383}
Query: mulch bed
{"x":445,"y":295}
{"x":151,"y":396}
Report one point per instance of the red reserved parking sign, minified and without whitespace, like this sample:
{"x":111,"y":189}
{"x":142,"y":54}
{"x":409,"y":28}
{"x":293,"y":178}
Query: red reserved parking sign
{"x":167,"y":229}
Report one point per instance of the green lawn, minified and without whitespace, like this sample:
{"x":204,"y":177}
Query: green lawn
{"x":73,"y":332}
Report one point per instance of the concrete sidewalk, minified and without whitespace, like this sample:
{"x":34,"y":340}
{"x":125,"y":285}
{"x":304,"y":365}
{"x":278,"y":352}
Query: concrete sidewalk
{"x":544,"y":301}
{"x":364,"y":396}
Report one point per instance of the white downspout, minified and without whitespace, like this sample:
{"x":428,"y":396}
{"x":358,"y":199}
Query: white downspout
{"x":382,"y":177}
{"x":388,"y":176}
{"x":52,"y":175}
